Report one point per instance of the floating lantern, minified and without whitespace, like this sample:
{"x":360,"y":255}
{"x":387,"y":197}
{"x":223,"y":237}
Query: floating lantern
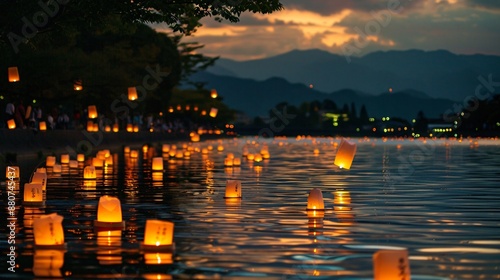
{"x":130,"y":127}
{"x":40,"y":178}
{"x":57,"y":168}
{"x":136,"y":128}
{"x":158,"y":234}
{"x":132,"y":93}
{"x":48,"y":263}
{"x":126,"y":150}
{"x":11,"y":124}
{"x":233,"y":189}
{"x":134,"y":154}
{"x":266,"y":155}
{"x":257,"y":158}
{"x":65,"y":159}
{"x":228,"y":162}
{"x":213,"y":93}
{"x":236,"y":161}
{"x":203,"y":112}
{"x":195,"y":137}
{"x":165,"y":148}
{"x":13,"y":74}
{"x":108,"y":161}
{"x":345,"y":154}
{"x":109,"y":213}
{"x":73,"y":164}
{"x":179,"y":154}
{"x":315,"y":200}
{"x":204,"y":151}
{"x":89,"y":172}
{"x":77,"y":85}
{"x":48,"y":231}
{"x":12,"y":172}
{"x":92,"y":112}
{"x":80,"y":157}
{"x":33,"y":194}
{"x":42,"y":126}
{"x":316,"y":152}
{"x":157,"y":163}
{"x":97,"y":162}
{"x":90,"y":126}
{"x":107,"y":128}
{"x":95,"y":128}
{"x":220,"y":148}
{"x":116,"y":127}
{"x":251,"y":157}
{"x":391,"y":265}
{"x":213,"y":112}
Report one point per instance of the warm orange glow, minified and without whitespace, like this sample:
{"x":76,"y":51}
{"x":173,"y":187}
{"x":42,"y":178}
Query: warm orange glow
{"x":77,"y":85}
{"x":132,"y":93}
{"x":157,"y":164}
{"x":130,"y":127}
{"x":48,"y":230}
{"x":65,"y":158}
{"x":213,"y":112}
{"x":116,"y":127}
{"x":48,"y":263}
{"x":233,"y":189}
{"x":92,"y":112}
{"x":109,"y":209}
{"x":391,"y":265}
{"x":50,"y":161}
{"x":213,"y":93}
{"x":228,"y":162}
{"x":236,"y":161}
{"x":315,"y":200}
{"x":12,"y":172}
{"x":11,"y":124}
{"x":195,"y":137}
{"x":57,"y":168}
{"x":107,"y":128}
{"x":203,"y":112}
{"x":80,"y":157}
{"x":13,"y":74}
{"x":345,"y":154}
{"x":42,"y":126}
{"x":136,"y":128}
{"x":33,"y":192}
{"x":89,"y":172}
{"x":158,"y":258}
{"x":158,"y":233}
{"x":90,"y":126}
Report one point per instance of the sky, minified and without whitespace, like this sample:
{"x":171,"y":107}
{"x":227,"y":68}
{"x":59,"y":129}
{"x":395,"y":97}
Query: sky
{"x":357,"y":27}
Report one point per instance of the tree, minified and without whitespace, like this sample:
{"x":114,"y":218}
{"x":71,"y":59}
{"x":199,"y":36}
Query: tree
{"x":23,"y":20}
{"x":363,"y":114}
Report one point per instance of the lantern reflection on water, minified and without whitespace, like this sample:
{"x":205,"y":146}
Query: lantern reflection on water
{"x":158,"y":235}
{"x":391,"y":265}
{"x":48,"y":231}
{"x":158,"y":258}
{"x":48,"y":263}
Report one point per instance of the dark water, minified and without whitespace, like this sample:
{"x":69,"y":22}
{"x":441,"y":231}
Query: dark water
{"x":439,"y":199}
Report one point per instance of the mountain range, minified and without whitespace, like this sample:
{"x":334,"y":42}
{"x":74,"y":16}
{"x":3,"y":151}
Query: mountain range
{"x":390,"y":83}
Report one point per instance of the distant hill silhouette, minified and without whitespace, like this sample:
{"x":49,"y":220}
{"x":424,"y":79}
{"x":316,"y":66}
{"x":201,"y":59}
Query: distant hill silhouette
{"x":256,"y":98}
{"x":440,"y":74}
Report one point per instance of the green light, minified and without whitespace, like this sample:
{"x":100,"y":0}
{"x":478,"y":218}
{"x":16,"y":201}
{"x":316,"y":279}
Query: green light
{"x":357,"y":129}
{"x":413,"y":121}
{"x":1,"y":97}
{"x":34,"y":100}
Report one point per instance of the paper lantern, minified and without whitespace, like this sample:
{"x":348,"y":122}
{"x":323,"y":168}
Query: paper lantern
{"x":213,"y":93}
{"x":48,"y":231}
{"x":345,"y":154}
{"x":11,"y":124}
{"x":220,"y":148}
{"x":257,"y":158}
{"x":90,"y":126}
{"x":107,"y":128}
{"x":57,"y":168}
{"x":78,"y":85}
{"x":97,"y":162}
{"x":95,"y":128}
{"x":136,"y":128}
{"x":236,"y":161}
{"x":109,"y":213}
{"x":64,"y":158}
{"x":40,"y":178}
{"x":12,"y":172}
{"x":233,"y":189}
{"x":92,"y":112}
{"x":80,"y":157}
{"x":158,"y":234}
{"x":195,"y":137}
{"x":203,"y":112}
{"x":116,"y":127}
{"x":157,"y":163}
{"x":228,"y":162}
{"x":73,"y":164}
{"x":213,"y":112}
{"x":134,"y":154}
{"x":132,"y":93}
{"x":165,"y":148}
{"x":50,"y":161}
{"x":126,"y":149}
{"x":315,"y":200}
{"x":130,"y":127}
{"x":48,"y":263}
{"x":89,"y":172}
{"x":391,"y":265}
{"x":13,"y":74}
{"x":42,"y":126}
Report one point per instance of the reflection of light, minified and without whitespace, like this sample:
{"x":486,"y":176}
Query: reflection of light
{"x":158,"y":258}
{"x":48,"y":263}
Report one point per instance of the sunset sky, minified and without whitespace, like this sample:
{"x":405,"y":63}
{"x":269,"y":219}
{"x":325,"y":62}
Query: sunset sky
{"x":357,"y":28}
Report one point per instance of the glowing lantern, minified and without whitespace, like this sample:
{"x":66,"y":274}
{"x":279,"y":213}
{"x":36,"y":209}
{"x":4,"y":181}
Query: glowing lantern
{"x":80,"y":157}
{"x":90,"y":126}
{"x":233,"y":189}
{"x":316,"y":152}
{"x":77,"y":85}
{"x":97,"y":162}
{"x":42,"y":126}
{"x":13,"y":74}
{"x":107,"y":128}
{"x":130,"y":127}
{"x":157,"y":163}
{"x":345,"y":154}
{"x":95,"y":128}
{"x":73,"y":164}
{"x":257,"y":158}
{"x":11,"y":124}
{"x":213,"y":112}
{"x":89,"y":172}
{"x":12,"y":172}
{"x":57,"y":168}
{"x":40,"y":178}
{"x":315,"y":200}
{"x":48,"y":231}
{"x":134,"y":154}
{"x":116,"y":127}
{"x":391,"y":265}
{"x":203,"y":112}
{"x":48,"y":263}
{"x":109,"y":212}
{"x":236,"y":161}
{"x":132,"y":93}
{"x":228,"y":162}
{"x":92,"y":112}
{"x":158,"y":234}
{"x":33,"y":194}
{"x":195,"y":137}
{"x":136,"y":128}
{"x":204,"y":151}
{"x":220,"y":148}
{"x":165,"y":148}
{"x":213,"y":93}
{"x":65,"y":158}
{"x":250,"y":156}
